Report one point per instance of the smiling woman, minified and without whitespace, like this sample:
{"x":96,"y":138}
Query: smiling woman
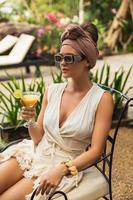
{"x":74,"y":115}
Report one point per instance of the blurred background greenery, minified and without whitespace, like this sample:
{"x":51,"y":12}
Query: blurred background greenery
{"x":49,"y":17}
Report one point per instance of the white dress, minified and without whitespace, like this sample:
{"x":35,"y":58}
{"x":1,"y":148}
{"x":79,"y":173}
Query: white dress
{"x":58,"y":143}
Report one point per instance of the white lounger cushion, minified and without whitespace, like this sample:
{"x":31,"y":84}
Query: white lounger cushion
{"x":7,"y":42}
{"x":19,"y":51}
{"x":92,"y":187}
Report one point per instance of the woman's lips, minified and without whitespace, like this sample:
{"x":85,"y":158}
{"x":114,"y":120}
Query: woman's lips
{"x":64,"y":69}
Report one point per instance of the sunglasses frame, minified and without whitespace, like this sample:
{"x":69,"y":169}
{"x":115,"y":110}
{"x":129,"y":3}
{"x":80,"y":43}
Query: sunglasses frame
{"x":74,"y":58}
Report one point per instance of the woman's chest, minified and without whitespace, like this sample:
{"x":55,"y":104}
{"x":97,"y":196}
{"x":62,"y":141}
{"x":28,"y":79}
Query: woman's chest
{"x":68,"y":105}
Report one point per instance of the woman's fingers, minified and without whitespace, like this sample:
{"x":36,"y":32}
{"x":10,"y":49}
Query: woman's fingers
{"x":27,"y":112}
{"x":52,"y":191}
{"x":46,"y":188}
{"x":28,"y":109}
{"x":39,"y":189}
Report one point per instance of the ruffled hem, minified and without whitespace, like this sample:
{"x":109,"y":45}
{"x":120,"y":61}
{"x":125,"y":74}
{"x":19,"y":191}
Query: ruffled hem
{"x":22,"y":154}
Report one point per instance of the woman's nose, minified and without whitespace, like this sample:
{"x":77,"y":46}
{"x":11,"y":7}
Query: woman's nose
{"x":63,"y":62}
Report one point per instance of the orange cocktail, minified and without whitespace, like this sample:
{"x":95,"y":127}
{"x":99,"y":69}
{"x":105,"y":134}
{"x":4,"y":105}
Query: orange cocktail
{"x":29,"y":100}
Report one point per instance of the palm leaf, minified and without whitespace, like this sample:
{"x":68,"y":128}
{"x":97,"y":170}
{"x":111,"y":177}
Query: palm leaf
{"x":107,"y":75}
{"x":101,"y":74}
{"x":127,"y":91}
{"x":96,"y":77}
{"x":5,"y":96}
{"x":23,"y":82}
{"x":126,"y":78}
{"x":7,"y":87}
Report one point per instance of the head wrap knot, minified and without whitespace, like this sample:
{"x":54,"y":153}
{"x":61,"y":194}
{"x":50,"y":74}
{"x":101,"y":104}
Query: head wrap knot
{"x":81,"y":41}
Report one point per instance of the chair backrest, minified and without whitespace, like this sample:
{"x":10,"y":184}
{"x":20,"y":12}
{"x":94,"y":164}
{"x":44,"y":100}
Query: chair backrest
{"x":121,"y":105}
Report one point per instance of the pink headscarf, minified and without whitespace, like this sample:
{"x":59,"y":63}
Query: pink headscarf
{"x":81,"y":41}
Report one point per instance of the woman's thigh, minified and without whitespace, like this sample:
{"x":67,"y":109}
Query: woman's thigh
{"x":10,"y":173}
{"x":18,"y":191}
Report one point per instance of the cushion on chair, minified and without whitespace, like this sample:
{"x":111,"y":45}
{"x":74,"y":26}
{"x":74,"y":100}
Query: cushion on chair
{"x":7,"y":42}
{"x":92,"y":187}
{"x":19,"y":51}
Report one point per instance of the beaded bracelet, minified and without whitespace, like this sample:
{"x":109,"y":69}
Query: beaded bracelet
{"x":32,"y":124}
{"x":72,"y":168}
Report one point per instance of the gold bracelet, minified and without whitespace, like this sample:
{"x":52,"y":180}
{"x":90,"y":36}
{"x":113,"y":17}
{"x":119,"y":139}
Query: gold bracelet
{"x":72,"y":168}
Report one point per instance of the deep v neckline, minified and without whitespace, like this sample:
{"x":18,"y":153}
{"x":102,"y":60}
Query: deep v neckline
{"x":75,"y":108}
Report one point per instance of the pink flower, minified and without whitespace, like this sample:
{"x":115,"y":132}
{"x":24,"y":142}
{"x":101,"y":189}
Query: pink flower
{"x":59,"y":25}
{"x":39,"y":52}
{"x":40,"y":32}
{"x":51,"y":17}
{"x":48,"y":27}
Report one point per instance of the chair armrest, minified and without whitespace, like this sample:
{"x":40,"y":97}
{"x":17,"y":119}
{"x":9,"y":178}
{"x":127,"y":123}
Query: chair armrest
{"x":50,"y":198}
{"x":10,"y":144}
{"x":99,"y":160}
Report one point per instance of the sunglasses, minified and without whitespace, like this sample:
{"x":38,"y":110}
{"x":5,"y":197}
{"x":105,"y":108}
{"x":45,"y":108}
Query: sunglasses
{"x":68,"y":58}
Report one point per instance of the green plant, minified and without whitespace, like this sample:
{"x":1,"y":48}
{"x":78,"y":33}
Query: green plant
{"x":48,"y":36}
{"x":10,"y":106}
{"x":57,"y":77}
{"x":118,"y":82}
{"x":102,"y":76}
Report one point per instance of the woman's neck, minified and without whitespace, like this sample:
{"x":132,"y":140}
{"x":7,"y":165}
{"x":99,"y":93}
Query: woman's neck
{"x":79,"y":85}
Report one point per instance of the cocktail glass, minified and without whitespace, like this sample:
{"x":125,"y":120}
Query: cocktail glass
{"x":29,"y":99}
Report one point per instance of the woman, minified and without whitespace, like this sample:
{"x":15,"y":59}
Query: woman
{"x":74,"y":115}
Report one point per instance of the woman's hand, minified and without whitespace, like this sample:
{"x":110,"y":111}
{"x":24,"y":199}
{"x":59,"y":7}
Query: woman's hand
{"x":51,"y":180}
{"x":28,"y":113}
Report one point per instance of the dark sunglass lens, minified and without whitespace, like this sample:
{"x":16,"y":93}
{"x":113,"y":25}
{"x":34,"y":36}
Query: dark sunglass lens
{"x":58,"y":58}
{"x":68,"y":59}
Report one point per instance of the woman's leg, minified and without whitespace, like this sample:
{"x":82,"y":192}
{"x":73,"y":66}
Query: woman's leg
{"x":18,"y":191}
{"x":10,"y":173}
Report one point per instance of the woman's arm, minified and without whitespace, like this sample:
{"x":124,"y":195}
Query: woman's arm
{"x":36,"y":132}
{"x":100,"y":133}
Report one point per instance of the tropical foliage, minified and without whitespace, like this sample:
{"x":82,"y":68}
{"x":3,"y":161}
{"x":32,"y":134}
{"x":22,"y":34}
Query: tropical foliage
{"x":119,"y":80}
{"x":10,"y":106}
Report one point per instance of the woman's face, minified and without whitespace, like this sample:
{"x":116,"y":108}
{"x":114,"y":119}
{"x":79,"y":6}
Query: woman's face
{"x":75,"y":69}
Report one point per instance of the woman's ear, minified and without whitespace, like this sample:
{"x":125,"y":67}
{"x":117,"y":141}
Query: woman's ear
{"x":87,"y":64}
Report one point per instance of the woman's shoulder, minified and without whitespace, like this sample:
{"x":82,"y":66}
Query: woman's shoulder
{"x":54,"y":89}
{"x":106,"y":94}
{"x":56,"y":86}
{"x":104,"y":97}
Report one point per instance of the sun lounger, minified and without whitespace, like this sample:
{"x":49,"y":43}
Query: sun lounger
{"x":19,"y":50}
{"x":7,"y":42}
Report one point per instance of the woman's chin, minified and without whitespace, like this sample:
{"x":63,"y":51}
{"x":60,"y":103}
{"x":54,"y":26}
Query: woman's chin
{"x":65,"y":75}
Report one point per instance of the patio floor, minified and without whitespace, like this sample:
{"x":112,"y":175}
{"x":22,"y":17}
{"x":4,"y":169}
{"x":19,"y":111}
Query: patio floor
{"x":123,"y":166}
